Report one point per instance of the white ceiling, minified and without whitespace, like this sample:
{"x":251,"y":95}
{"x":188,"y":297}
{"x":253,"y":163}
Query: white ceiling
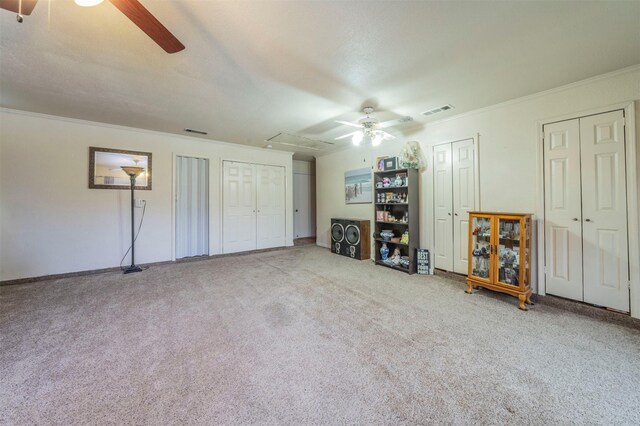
{"x":253,"y":69}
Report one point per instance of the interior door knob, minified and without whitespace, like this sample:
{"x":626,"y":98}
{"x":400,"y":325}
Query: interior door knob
{"x":575,"y":219}
{"x":449,"y":214}
{"x":456,"y":214}
{"x":296,"y":210}
{"x":588,"y":220}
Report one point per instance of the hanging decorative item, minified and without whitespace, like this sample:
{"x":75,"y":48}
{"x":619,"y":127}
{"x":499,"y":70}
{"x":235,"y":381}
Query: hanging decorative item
{"x":411,"y":156}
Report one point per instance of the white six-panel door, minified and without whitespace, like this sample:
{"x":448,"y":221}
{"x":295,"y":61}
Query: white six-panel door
{"x":239,"y":207}
{"x":563,"y":214}
{"x":604,"y":207}
{"x":463,"y":201}
{"x":443,"y":203}
{"x":270,"y":228}
{"x":586,"y":235}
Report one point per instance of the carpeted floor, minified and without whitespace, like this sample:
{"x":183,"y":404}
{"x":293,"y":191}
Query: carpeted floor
{"x":301,"y":336}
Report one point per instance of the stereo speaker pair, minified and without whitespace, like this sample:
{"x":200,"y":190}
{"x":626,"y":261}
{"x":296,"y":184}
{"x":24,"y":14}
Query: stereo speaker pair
{"x":351,"y":238}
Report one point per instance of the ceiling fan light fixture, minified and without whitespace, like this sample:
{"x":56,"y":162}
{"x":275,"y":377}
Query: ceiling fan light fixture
{"x":377,"y":139}
{"x":88,"y":3}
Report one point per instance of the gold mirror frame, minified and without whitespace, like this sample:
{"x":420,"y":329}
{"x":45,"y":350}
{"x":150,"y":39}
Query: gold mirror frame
{"x":111,"y":161}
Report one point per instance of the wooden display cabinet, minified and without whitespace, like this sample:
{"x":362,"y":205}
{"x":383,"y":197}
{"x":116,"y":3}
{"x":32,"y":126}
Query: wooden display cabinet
{"x":500,"y":254}
{"x":396,"y":210}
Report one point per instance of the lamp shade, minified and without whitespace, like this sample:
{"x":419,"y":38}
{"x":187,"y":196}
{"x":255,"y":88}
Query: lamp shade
{"x":133,"y":171}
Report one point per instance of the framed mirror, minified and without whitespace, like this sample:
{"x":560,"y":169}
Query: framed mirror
{"x":105,"y":168}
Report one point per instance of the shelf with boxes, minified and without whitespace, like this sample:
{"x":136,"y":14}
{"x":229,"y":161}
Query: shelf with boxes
{"x":396,"y":232}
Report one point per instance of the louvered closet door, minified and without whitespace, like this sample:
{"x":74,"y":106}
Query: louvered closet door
{"x":192,"y":207}
{"x":270,"y":206}
{"x":442,"y":197}
{"x":239,"y":207}
{"x":563,"y":219}
{"x":463,"y":202}
{"x":604,"y":204}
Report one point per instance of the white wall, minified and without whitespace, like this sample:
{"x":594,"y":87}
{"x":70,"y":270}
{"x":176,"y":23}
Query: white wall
{"x":508,"y":151}
{"x":51,"y":222}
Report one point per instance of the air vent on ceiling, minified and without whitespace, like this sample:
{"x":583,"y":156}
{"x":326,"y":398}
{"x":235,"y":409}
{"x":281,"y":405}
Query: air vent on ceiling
{"x":446,"y":107}
{"x":199,"y":132}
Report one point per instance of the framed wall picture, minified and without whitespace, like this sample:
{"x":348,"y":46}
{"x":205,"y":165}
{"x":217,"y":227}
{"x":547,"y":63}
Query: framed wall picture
{"x":390,"y":163}
{"x":380,"y":164}
{"x":105,"y":168}
{"x":358,"y":186}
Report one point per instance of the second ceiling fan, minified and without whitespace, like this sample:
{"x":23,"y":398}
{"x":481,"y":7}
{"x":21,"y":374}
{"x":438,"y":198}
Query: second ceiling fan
{"x":132,"y":9}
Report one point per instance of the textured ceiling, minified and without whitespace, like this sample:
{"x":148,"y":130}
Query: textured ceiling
{"x":253,"y":69}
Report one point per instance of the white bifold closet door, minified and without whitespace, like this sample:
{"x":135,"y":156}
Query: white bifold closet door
{"x":454,"y":197}
{"x":586,"y":235}
{"x":253,"y":213}
{"x":192,"y":207}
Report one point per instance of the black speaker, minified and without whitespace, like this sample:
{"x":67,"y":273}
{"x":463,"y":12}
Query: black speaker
{"x":350,"y":237}
{"x":337,"y":237}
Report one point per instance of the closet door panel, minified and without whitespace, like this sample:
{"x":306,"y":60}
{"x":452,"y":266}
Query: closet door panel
{"x":443,"y":202}
{"x":270,"y":207}
{"x":563,"y":226}
{"x":604,"y":204}
{"x":239,"y":207}
{"x":463,"y":201}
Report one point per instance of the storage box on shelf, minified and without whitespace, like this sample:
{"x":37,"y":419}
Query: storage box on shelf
{"x":396,"y":207}
{"x":500,"y":254}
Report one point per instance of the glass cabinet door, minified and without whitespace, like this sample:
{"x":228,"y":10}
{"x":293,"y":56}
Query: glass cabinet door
{"x":481,"y":247}
{"x":509,"y":251}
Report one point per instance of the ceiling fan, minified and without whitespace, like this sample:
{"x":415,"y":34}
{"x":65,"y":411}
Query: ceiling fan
{"x":370,"y":127}
{"x":132,"y":9}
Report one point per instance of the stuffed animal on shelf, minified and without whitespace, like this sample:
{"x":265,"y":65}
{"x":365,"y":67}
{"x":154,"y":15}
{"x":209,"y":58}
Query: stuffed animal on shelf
{"x":405,"y":238}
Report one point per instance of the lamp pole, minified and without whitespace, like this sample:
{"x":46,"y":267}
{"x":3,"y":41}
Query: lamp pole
{"x":133,"y":172}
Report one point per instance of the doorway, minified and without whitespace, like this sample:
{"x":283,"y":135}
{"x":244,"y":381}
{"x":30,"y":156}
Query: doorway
{"x":585,"y":204}
{"x":304,"y":200}
{"x":192,"y":207}
{"x":455,"y":195}
{"x":253,"y":206}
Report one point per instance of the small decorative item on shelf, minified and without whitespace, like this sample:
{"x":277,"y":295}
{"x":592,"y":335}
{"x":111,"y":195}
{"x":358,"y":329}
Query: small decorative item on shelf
{"x":397,"y":181}
{"x":379,"y":184}
{"x":387,"y":234}
{"x":411,"y":156}
{"x":384,"y":251}
{"x":390,"y":163}
{"x":405,"y":238}
{"x":386,"y":182}
{"x":404,"y":261}
{"x":395,"y":239}
{"x":395,"y":258}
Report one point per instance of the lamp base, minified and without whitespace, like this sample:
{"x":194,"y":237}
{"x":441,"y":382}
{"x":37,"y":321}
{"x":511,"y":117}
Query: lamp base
{"x":131,"y":269}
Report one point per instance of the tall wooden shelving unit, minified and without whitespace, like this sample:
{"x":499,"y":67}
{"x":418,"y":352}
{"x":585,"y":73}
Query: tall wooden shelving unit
{"x":398,"y":210}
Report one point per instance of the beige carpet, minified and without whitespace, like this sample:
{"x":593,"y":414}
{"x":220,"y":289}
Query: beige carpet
{"x":301,"y":336}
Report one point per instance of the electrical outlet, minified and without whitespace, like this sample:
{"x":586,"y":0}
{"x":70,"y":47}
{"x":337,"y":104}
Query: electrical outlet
{"x":139,"y":203}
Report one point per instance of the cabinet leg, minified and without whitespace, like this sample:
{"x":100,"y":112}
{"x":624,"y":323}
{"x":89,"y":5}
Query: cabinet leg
{"x":469,"y":289}
{"x":529,"y":302}
{"x":522,"y":298}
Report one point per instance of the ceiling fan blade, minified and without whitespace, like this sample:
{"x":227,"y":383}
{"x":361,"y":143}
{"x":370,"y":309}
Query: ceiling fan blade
{"x":346,"y":123}
{"x":387,"y":135}
{"x":148,"y":23}
{"x":14,"y":6}
{"x":347,"y":135}
{"x":397,"y":121}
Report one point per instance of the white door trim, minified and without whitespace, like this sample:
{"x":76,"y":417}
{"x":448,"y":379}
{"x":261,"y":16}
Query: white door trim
{"x":633,"y":216}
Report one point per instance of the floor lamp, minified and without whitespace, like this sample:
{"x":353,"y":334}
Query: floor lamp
{"x":133,"y":173}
